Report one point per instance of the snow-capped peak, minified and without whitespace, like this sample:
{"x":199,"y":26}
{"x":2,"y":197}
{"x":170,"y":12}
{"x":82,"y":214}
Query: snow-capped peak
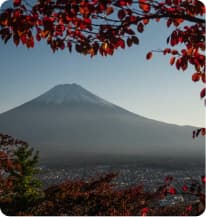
{"x":70,"y":93}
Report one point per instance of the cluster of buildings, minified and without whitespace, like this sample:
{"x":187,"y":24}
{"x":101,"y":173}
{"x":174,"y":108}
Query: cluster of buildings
{"x":131,"y":175}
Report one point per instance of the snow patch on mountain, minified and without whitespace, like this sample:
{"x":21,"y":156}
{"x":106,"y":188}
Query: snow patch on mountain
{"x":70,"y":93}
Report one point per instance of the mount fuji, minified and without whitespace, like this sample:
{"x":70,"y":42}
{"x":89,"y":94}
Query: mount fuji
{"x":70,"y":119}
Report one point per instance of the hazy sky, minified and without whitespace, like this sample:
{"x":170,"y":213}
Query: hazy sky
{"x":152,"y":88}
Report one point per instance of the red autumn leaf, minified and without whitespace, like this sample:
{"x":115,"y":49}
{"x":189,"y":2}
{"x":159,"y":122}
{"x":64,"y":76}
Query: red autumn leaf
{"x":130,"y":12}
{"x":87,"y":21}
{"x":140,"y":27}
{"x":174,"y":38}
{"x":124,"y":3}
{"x":172,"y":60}
{"x":30,"y":43}
{"x":145,"y":21}
{"x":23,"y":39}
{"x":184,"y":65}
{"x":184,"y":188}
{"x":144,"y":6}
{"x":121,"y":43}
{"x":166,"y":51}
{"x":203,"y":179}
{"x":121,"y":14}
{"x":174,"y":52}
{"x":129,"y":42}
{"x":203,"y":78}
{"x":196,"y":77}
{"x":133,"y":19}
{"x":149,"y":56}
{"x":157,"y":19}
{"x":62,"y":46}
{"x":203,"y":131}
{"x":189,"y":208}
{"x":130,"y":32}
{"x":38,"y":37}
{"x":109,"y":10}
{"x":202,"y":93}
{"x":44,"y":34}
{"x":178,"y":64}
{"x":16,"y":3}
{"x":169,"y":22}
{"x":16,"y":40}
{"x":177,"y":22}
{"x":172,"y":190}
{"x":144,"y":211}
{"x":135,"y":40}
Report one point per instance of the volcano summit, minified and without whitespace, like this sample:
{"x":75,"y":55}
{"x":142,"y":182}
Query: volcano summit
{"x":69,"y":118}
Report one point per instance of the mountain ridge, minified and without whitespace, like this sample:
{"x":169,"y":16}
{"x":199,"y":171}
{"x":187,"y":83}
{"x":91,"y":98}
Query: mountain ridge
{"x":64,"y":93}
{"x":80,"y":121}
{"x":40,"y":99}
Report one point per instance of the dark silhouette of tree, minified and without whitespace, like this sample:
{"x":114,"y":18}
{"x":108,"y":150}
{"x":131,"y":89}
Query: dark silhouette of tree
{"x":26,"y":186}
{"x":18,"y":185}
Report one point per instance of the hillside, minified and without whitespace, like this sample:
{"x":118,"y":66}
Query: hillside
{"x":70,"y":119}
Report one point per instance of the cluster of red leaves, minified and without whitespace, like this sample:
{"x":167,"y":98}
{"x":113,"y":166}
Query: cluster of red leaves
{"x":102,"y":26}
{"x":93,"y":27}
{"x":199,"y":131}
{"x":191,"y":37}
{"x":8,"y":165}
{"x":95,"y":197}
{"x":98,"y":197}
{"x":195,"y":188}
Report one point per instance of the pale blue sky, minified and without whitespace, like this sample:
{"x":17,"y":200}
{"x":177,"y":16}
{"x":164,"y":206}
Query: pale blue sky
{"x":152,"y":88}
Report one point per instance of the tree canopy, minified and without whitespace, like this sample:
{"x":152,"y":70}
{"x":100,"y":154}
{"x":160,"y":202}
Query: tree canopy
{"x":18,"y":184}
{"x":94,"y":27}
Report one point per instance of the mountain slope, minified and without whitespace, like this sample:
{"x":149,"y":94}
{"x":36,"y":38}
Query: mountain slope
{"x":69,"y":118}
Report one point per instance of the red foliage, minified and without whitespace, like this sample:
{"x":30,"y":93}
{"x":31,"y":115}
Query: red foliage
{"x":172,"y":60}
{"x":197,"y":132}
{"x":149,"y":56}
{"x":83,"y":23}
{"x":172,"y":190}
{"x":8,"y":166}
{"x":185,"y":188}
{"x":145,"y":5}
{"x":92,"y":27}
{"x":16,"y":3}
{"x":99,"y":197}
{"x":144,"y":211}
{"x":196,"y":76}
{"x":203,"y":178}
{"x":94,"y":197}
{"x":202,"y":93}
